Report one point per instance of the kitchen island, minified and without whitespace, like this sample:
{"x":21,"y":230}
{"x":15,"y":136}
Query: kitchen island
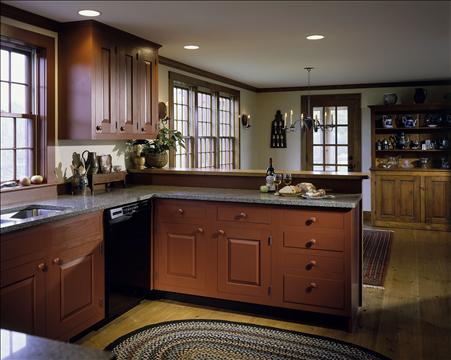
{"x":231,"y":244}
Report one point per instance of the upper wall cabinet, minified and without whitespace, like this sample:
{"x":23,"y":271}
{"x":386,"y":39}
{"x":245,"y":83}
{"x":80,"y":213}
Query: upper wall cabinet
{"x":107,"y":83}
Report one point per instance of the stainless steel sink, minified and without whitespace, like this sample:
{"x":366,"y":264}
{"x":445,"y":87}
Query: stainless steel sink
{"x":19,"y":215}
{"x":37,"y":210}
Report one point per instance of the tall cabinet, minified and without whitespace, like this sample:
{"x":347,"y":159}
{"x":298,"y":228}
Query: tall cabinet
{"x":411,"y":184}
{"x":107,"y":83}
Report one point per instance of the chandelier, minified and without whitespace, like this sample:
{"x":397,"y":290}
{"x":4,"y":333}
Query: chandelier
{"x":309,"y":122}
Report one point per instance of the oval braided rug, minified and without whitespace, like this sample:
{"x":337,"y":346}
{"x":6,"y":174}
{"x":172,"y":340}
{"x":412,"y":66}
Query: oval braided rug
{"x":224,"y":340}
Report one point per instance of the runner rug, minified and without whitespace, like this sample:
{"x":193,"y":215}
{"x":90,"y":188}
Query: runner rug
{"x":224,"y":340}
{"x":376,"y":254}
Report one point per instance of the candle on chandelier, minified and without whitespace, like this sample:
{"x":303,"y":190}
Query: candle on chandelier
{"x":291,"y":117}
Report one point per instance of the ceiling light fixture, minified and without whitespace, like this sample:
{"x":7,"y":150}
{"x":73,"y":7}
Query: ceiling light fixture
{"x":191,"y":47}
{"x":89,"y":13}
{"x":315,"y":37}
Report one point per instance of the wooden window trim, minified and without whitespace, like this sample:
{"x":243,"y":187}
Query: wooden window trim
{"x":198,"y":85}
{"x":353,"y":101}
{"x":45,"y":103}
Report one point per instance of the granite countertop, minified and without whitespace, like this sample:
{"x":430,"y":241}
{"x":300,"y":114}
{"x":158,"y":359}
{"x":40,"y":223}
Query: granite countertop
{"x":76,"y":205}
{"x":16,"y":345}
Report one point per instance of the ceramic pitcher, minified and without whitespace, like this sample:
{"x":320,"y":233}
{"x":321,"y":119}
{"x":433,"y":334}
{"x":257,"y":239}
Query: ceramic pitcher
{"x":90,"y":161}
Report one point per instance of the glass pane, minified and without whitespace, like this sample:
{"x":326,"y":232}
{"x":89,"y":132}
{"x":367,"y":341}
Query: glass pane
{"x":342,"y":153}
{"x":318,"y":155}
{"x":330,"y":168}
{"x":24,"y":161}
{"x":342,"y":115}
{"x":5,"y":65}
{"x":318,"y":168}
{"x":318,"y":137}
{"x":19,"y":99}
{"x":24,"y":133}
{"x":342,"y":135}
{"x":7,"y":129}
{"x":329,"y":134}
{"x":329,"y":154}
{"x":7,"y":165}
{"x":5,"y":97}
{"x":329,"y":116}
{"x":317,"y":114}
{"x":19,"y":67}
{"x":342,"y":168}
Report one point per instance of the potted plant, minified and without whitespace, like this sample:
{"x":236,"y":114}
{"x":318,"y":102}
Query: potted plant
{"x":156,"y":151}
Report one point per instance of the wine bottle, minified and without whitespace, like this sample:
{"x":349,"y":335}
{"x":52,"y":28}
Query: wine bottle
{"x":270,"y":169}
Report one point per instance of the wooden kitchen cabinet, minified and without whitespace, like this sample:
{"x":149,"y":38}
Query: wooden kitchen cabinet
{"x":181,"y":257}
{"x":108,"y":83}
{"x":244,"y":263}
{"x":52,"y":277}
{"x":22,"y":298}
{"x":419,"y":200}
{"x":303,"y":259}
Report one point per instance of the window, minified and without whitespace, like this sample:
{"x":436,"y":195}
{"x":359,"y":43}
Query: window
{"x":336,"y":147}
{"x":207,"y":116}
{"x":18,"y":115}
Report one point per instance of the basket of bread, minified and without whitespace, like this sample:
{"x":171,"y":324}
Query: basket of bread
{"x":305,"y":190}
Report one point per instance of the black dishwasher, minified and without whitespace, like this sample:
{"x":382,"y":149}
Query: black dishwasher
{"x":127,"y":257}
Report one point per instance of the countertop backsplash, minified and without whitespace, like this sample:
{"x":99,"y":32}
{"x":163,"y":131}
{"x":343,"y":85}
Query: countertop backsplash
{"x":65,"y":148}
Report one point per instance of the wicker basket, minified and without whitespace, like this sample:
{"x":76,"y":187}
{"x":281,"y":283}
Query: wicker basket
{"x":156,"y":160}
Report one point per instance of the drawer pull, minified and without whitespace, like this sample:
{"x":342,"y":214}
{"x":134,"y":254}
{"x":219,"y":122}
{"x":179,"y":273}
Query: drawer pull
{"x":309,"y":244}
{"x":221,"y":232}
{"x":57,"y":261}
{"x":200,"y":230}
{"x":122,"y":128}
{"x":310,"y":220}
{"x":180,"y":211}
{"x":312,"y":286}
{"x":310,"y":265}
{"x":98,"y":128}
{"x":241,"y":215}
{"x":42,"y":267}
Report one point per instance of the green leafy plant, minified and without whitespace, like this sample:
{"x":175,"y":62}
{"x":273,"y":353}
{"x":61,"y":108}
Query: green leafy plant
{"x":167,"y":139}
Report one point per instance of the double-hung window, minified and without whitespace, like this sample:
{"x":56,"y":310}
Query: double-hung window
{"x":207,"y":116}
{"x":18,"y":112}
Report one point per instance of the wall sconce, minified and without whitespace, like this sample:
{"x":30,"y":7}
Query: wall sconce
{"x":245,"y":120}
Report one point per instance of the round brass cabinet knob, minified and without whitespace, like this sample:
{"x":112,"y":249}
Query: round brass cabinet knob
{"x":312,"y":285}
{"x":42,"y":267}
{"x":57,"y":261}
{"x":311,"y":264}
{"x":221,"y":232}
{"x":310,"y":220}
{"x":200,"y":230}
{"x":98,"y":128}
{"x":180,"y":211}
{"x":243,"y":215}
{"x":310,"y":243}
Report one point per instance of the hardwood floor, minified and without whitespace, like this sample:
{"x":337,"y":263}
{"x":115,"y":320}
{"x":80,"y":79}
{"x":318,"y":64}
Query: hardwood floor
{"x":409,"y":319}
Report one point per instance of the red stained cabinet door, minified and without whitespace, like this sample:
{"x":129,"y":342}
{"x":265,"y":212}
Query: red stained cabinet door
{"x":22,"y":298}
{"x":75,"y":290}
{"x":244,"y":255}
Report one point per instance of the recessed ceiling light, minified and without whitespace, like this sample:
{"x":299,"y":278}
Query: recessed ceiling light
{"x":191,"y":47}
{"x":315,"y":37}
{"x":89,"y":13}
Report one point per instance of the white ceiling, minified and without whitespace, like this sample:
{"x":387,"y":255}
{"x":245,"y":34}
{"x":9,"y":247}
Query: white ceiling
{"x":262,"y":43}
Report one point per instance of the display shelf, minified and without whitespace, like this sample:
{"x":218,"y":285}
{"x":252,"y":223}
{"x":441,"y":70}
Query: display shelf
{"x":413,"y":151}
{"x":423,"y":129}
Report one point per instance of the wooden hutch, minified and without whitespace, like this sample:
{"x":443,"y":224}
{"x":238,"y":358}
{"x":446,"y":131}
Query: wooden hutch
{"x":411,"y":185}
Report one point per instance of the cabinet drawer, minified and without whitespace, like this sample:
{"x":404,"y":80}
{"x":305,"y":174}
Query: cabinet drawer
{"x":313,"y":291}
{"x":314,"y":263}
{"x":312,"y":219}
{"x":245,"y":214}
{"x":178,"y":210}
{"x":319,"y":239}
